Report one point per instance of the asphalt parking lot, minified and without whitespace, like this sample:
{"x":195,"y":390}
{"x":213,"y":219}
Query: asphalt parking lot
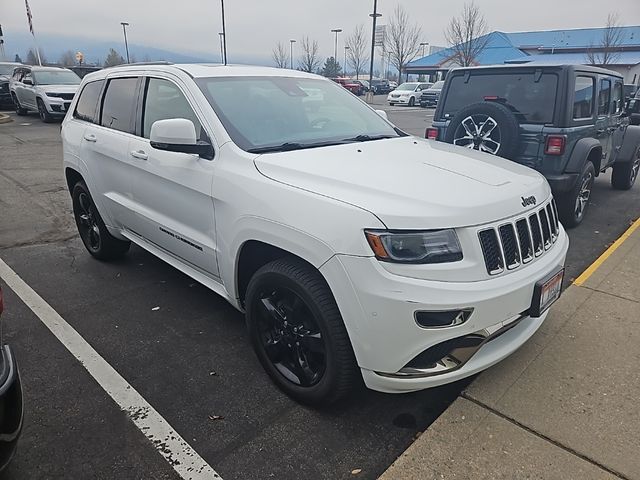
{"x":183,"y":348}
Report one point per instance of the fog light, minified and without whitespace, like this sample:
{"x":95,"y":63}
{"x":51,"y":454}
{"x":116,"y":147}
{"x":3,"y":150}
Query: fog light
{"x":442,"y":319}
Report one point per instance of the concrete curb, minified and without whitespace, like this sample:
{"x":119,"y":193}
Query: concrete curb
{"x":4,"y":118}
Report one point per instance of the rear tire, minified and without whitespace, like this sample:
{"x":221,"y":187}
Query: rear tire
{"x":573,"y":205}
{"x":19,"y":110}
{"x":625,"y":174}
{"x":45,"y":116}
{"x":298,"y":334}
{"x":93,"y":232}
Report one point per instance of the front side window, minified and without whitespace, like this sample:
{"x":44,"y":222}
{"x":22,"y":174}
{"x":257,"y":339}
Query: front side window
{"x":164,"y":100}
{"x":27,"y":76}
{"x":604,"y":97}
{"x":56,"y":77}
{"x":88,"y":100}
{"x":583,"y":97}
{"x":276,"y":113}
{"x":618,"y":104}
{"x":119,"y":103}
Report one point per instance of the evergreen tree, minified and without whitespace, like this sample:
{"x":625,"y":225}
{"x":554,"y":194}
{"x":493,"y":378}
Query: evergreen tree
{"x":331,"y":68}
{"x":113,"y":59}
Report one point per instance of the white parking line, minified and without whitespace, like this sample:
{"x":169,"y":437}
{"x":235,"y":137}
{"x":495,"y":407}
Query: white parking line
{"x":175,"y":450}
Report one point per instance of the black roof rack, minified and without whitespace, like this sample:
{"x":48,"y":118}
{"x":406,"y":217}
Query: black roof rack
{"x":135,"y":64}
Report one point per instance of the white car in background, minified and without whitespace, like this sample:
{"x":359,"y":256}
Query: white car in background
{"x":46,"y":90}
{"x":356,"y":251}
{"x":407,"y":94}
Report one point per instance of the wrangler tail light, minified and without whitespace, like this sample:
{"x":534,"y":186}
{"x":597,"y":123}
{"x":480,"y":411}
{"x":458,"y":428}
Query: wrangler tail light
{"x":555,"y":145}
{"x":431,"y":133}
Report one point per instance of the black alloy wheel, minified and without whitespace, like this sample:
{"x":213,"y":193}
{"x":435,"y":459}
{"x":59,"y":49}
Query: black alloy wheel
{"x":93,"y":232}
{"x":298,"y":334}
{"x":45,"y":116}
{"x":19,"y":110}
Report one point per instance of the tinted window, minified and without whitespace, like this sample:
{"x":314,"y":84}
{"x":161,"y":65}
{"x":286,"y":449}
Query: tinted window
{"x":532,"y":101}
{"x":583,"y":97}
{"x":164,"y":100}
{"x":118,"y":104}
{"x":86,"y":106}
{"x":604,"y":97}
{"x":617,"y":105}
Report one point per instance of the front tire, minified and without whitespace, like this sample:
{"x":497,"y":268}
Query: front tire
{"x":625,"y":174}
{"x":572,"y":205}
{"x":412,"y":101}
{"x":93,"y":232}
{"x":298,"y":334}
{"x":45,"y":116}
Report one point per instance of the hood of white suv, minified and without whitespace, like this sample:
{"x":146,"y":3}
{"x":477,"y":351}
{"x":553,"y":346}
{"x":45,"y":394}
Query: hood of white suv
{"x":58,"y":88}
{"x":411,"y":183}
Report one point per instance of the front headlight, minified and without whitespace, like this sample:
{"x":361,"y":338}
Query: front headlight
{"x":431,"y":246}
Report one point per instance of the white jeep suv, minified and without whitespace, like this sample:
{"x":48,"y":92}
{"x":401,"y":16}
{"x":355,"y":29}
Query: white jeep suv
{"x":357,"y":252}
{"x":46,"y":90}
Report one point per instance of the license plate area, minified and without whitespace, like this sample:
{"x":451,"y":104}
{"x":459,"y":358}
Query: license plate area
{"x":546,"y":292}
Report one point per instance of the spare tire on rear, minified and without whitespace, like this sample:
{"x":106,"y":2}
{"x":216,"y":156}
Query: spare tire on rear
{"x":486,"y":126}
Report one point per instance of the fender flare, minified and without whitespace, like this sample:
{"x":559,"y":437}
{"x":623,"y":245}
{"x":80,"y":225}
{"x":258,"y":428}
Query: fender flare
{"x":630,"y":144}
{"x":581,"y":152}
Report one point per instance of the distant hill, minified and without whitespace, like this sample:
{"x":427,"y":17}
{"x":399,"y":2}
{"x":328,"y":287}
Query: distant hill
{"x":94,"y":51}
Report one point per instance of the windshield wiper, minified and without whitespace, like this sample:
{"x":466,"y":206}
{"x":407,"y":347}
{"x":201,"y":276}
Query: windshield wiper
{"x":367,"y":138}
{"x":289,"y":146}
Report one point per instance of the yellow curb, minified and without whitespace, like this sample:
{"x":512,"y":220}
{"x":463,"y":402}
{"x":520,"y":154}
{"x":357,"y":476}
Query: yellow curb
{"x":607,"y":253}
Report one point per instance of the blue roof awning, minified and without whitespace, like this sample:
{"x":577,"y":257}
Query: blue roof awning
{"x":621,"y":58}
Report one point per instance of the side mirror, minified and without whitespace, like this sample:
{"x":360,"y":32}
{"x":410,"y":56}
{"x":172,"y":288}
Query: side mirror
{"x":178,"y":135}
{"x":27,"y":81}
{"x":383,"y":114}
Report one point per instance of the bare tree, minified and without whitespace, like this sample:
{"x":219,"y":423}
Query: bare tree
{"x":467,"y":35}
{"x":67,"y":59}
{"x":608,"y":50}
{"x":309,"y":60}
{"x":357,"y":57}
{"x":280,"y":55}
{"x":402,"y":39}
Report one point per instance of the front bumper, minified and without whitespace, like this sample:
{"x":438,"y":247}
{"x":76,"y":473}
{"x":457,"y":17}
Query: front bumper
{"x":57,"y":106}
{"x":378,"y":308}
{"x":399,"y":100}
{"x":11,"y":406}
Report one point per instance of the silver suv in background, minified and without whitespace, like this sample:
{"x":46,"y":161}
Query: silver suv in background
{"x":47,"y":90}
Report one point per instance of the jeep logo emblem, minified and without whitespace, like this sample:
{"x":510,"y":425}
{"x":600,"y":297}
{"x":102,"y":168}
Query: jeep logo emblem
{"x":526,"y":201}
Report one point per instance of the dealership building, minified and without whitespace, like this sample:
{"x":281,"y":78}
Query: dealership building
{"x":545,"y":47}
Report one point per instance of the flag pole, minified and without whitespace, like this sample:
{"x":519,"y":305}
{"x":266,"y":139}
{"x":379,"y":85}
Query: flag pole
{"x":29,"y":18}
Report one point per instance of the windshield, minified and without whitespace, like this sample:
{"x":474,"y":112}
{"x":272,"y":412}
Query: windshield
{"x":407,"y":86}
{"x":284,"y":113}
{"x":438,"y":85}
{"x":7,"y":69}
{"x":56,"y":77}
{"x":532,"y":101}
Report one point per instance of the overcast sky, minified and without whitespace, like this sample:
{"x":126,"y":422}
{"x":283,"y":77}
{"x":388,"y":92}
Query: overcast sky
{"x":255,"y":26}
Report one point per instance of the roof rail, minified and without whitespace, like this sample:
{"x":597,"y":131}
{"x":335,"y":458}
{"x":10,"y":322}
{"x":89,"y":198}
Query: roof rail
{"x":135,"y":64}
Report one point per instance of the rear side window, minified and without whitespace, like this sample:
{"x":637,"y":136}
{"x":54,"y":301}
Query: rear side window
{"x":119,"y":103}
{"x":604,"y":97}
{"x":88,"y":100}
{"x":531,"y":97}
{"x":164,"y":100}
{"x":583,"y":97}
{"x":618,"y":103}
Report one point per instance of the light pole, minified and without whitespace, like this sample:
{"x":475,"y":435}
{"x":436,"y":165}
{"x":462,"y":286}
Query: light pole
{"x":375,"y":16}
{"x":423,"y":44}
{"x":291,"y":42}
{"x":221,"y":47}
{"x":126,"y":45}
{"x":224,"y":34}
{"x":335,"y":51}
{"x":346,"y":47}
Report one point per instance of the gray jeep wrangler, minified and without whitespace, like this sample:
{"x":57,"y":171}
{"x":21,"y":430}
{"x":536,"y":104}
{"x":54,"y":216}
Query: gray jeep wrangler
{"x":566,"y":121}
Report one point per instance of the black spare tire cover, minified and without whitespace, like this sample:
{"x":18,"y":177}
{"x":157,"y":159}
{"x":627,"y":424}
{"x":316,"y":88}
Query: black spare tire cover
{"x":486,"y":126}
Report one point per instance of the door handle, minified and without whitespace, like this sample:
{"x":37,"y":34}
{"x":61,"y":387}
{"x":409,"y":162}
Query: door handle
{"x":600,"y":131}
{"x":90,"y":137}
{"x":139,"y":154}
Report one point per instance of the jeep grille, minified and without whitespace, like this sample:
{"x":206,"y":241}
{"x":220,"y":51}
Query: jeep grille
{"x":519,"y":241}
